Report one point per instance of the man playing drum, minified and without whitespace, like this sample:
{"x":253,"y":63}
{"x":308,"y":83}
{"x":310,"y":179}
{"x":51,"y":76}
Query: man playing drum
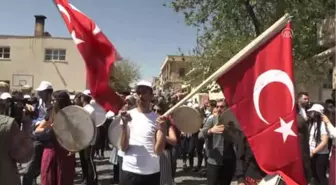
{"x":142,"y":140}
{"x":90,"y":173}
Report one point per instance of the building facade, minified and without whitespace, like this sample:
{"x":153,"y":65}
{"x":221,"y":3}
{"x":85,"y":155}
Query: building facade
{"x":172,"y":72}
{"x":28,"y":60}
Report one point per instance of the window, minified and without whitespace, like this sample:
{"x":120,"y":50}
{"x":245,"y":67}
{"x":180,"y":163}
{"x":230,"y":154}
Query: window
{"x":57,"y":55}
{"x":4,"y":52}
{"x":182,"y":72}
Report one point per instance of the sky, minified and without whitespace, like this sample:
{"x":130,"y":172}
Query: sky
{"x":143,"y":31}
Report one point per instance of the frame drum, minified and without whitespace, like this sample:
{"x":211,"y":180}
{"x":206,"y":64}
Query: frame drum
{"x":100,"y":113}
{"x":114,"y":132}
{"x":74,"y":128}
{"x":187,"y":119}
{"x":229,"y":120}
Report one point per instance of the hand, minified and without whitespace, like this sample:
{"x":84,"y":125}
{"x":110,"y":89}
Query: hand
{"x":241,"y":184}
{"x":161,"y":121}
{"x":217,"y":129}
{"x":125,"y":117}
{"x":312,"y":153}
{"x":325,"y":119}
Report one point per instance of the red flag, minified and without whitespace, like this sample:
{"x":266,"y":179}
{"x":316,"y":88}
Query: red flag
{"x":260,"y":92}
{"x":97,"y":51}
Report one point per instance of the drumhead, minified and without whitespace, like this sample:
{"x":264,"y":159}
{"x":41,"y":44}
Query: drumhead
{"x":229,"y":119}
{"x":74,"y":128}
{"x":100,"y":114}
{"x":114,"y":132}
{"x":187,"y":119}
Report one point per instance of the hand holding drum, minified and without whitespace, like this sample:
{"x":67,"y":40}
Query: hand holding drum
{"x":74,"y":128}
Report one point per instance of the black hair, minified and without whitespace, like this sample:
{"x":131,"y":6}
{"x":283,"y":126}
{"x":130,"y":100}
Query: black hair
{"x":62,"y":100}
{"x":300,"y":94}
{"x":330,"y":101}
{"x":86,"y":98}
{"x":213,"y":103}
{"x":315,"y":118}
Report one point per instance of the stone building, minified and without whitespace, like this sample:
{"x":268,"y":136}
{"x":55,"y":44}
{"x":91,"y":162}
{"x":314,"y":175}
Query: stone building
{"x":172,"y":72}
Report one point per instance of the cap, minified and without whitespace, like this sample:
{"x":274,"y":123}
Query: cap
{"x":87,"y":92}
{"x":317,"y":107}
{"x":72,"y":97}
{"x":144,"y":83}
{"x":44,"y":85}
{"x":5,"y":96}
{"x":26,"y":96}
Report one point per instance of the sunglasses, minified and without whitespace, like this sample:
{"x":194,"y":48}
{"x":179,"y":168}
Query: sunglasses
{"x":220,"y":106}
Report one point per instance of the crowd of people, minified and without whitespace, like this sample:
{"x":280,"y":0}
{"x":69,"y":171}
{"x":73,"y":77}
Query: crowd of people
{"x":150,"y":144}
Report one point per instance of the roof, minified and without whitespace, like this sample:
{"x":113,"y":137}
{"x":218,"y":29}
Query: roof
{"x":174,"y":58}
{"x":31,"y":36}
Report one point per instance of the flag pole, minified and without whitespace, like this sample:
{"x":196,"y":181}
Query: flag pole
{"x":247,"y":50}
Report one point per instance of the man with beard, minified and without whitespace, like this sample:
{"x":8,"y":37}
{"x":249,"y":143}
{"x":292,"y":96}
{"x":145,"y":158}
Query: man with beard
{"x":303,"y":104}
{"x":16,"y":145}
{"x":221,"y":162}
{"x":303,"y":134}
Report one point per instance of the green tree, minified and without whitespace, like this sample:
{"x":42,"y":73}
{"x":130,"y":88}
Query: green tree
{"x":225,"y":27}
{"x":123,"y":73}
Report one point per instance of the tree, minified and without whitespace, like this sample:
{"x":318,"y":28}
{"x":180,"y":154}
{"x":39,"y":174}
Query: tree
{"x":123,"y":73}
{"x":225,"y":27}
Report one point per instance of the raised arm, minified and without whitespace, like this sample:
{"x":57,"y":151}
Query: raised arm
{"x":206,"y":127}
{"x":160,"y":140}
{"x":124,"y":138}
{"x":171,"y":138}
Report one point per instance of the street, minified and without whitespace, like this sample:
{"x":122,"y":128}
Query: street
{"x":104,"y":169}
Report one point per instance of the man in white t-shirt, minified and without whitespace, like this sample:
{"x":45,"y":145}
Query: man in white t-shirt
{"x":89,"y":168}
{"x":144,"y":141}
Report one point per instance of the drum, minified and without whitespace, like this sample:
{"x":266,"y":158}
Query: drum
{"x":100,"y":114}
{"x":114,"y":132}
{"x":74,"y":128}
{"x":187,"y":119}
{"x":229,"y":119}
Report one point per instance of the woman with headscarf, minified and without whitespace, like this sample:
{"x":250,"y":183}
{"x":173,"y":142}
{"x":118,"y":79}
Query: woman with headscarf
{"x":58,"y":164}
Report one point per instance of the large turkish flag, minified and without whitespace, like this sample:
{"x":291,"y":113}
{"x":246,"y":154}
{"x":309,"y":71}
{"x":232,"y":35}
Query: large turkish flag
{"x":97,"y":51}
{"x":260,"y":92}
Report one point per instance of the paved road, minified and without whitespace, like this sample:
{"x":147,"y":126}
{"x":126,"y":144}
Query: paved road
{"x":104,"y":169}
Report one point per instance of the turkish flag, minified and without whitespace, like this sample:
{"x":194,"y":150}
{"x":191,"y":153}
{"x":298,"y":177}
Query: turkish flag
{"x":260,"y":92}
{"x":97,"y":51}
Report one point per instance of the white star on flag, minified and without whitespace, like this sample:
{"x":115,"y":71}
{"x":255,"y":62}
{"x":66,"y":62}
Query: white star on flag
{"x":76,"y":40}
{"x":285,"y":129}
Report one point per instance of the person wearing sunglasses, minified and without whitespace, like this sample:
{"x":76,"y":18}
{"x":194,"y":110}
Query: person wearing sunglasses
{"x":221,"y":161}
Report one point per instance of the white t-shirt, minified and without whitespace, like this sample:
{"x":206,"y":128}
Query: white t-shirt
{"x":91,"y":111}
{"x":140,"y":157}
{"x":312,"y":141}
